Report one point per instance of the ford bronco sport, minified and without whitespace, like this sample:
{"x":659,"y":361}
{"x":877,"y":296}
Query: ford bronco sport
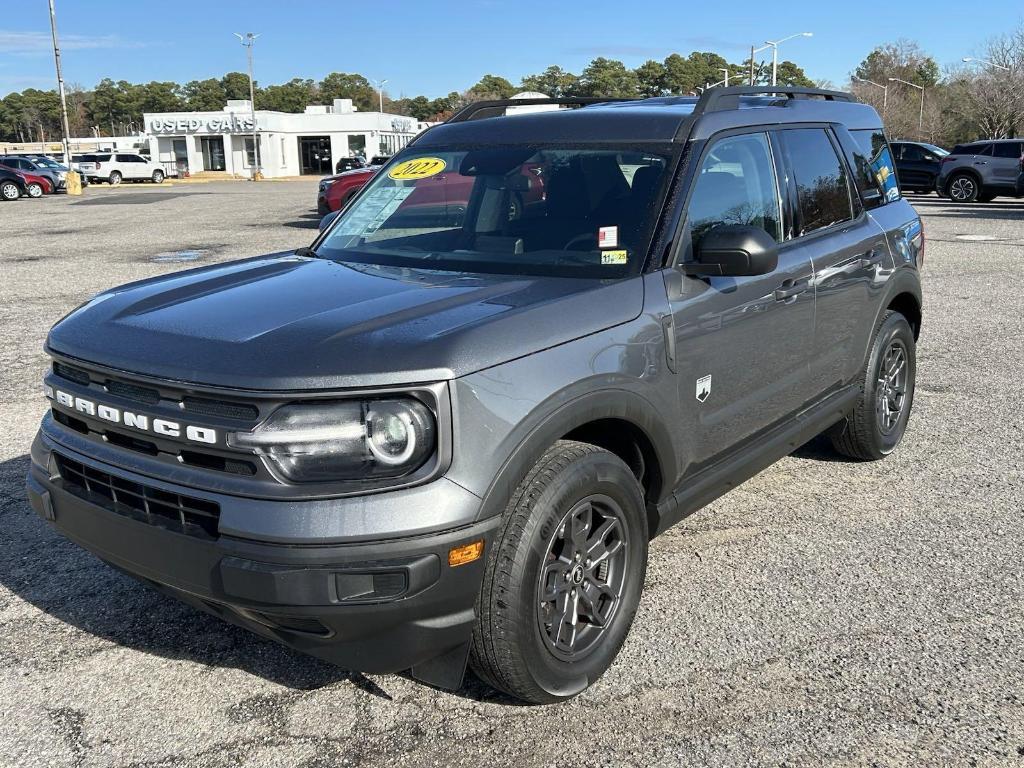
{"x":446,"y":431}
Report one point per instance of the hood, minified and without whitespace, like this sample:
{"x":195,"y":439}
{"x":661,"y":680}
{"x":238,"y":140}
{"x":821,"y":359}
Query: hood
{"x":286,"y":322}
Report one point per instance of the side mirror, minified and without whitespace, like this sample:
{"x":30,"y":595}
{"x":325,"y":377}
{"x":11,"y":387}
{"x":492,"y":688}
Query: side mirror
{"x":734,"y":251}
{"x":326,"y":221}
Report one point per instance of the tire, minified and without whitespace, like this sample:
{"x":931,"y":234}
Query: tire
{"x":34,"y":189}
{"x":114,"y":178}
{"x":158,"y":177}
{"x":521,"y":644}
{"x":962,"y":188}
{"x":872,"y":431}
{"x":9,"y":190}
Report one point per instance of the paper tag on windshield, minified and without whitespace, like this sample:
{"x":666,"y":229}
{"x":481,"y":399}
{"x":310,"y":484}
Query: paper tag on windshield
{"x":607,"y":237}
{"x":614,"y":257}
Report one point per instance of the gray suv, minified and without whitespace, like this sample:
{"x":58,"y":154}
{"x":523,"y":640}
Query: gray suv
{"x":446,"y":431}
{"x":982,"y":171}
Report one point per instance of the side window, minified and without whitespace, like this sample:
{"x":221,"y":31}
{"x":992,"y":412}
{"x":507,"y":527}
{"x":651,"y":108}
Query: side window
{"x":823,"y":194}
{"x":881,"y":168}
{"x":1009,"y":149}
{"x":897,"y":151}
{"x":912,"y":152}
{"x":983,"y":150}
{"x":736,"y":185}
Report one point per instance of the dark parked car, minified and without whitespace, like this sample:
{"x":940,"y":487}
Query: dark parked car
{"x":349,"y":164}
{"x":25,"y":165}
{"x":982,"y":170}
{"x":433,"y":439}
{"x":917,"y":164}
{"x":12,"y":184}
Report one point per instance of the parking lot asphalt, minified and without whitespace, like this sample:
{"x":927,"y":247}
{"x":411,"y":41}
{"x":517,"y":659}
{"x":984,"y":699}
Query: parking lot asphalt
{"x":824,"y":613}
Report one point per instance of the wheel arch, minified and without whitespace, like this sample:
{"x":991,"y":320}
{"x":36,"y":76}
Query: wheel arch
{"x":903,"y":295}
{"x":619,"y":421}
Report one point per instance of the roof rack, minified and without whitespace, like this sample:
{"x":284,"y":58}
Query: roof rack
{"x":479,"y":110}
{"x":720,"y":99}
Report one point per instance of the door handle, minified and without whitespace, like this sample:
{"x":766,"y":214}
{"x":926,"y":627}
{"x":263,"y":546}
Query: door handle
{"x":981,"y":162}
{"x":870,"y":259}
{"x":791,"y":288}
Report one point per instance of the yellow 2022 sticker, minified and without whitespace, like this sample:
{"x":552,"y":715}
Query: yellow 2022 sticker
{"x":417,"y":168}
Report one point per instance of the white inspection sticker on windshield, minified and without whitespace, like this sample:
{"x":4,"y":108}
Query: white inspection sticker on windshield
{"x":373,"y":210}
{"x":607,"y":237}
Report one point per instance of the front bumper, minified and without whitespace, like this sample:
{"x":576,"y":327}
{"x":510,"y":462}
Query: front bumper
{"x":379,"y":606}
{"x":322,"y":208}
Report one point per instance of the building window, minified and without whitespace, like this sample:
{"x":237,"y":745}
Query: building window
{"x":250,"y":152}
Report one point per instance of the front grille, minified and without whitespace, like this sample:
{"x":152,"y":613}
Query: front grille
{"x":227,"y":410}
{"x":133,"y":392}
{"x":71,"y":373}
{"x":173,"y":511}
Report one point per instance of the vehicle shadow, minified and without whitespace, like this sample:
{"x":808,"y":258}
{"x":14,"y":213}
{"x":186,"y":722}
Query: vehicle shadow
{"x":820,"y":449}
{"x":306,"y":221}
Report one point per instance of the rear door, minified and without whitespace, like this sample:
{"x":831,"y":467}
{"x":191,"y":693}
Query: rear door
{"x":844,"y":246}
{"x":1006,"y":163}
{"x":742,"y":344}
{"x":916,"y":167}
{"x":130,"y":166}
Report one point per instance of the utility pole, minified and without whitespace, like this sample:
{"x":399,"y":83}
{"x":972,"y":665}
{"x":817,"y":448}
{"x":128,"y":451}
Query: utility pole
{"x":754,"y":50}
{"x":249,"y":40}
{"x":60,"y":88}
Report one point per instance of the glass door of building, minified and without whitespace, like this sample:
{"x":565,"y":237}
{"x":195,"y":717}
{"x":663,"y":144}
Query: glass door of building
{"x":315,"y":155}
{"x":213,"y":153}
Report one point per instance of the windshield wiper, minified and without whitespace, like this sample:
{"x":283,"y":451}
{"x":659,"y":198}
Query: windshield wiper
{"x":307,"y":252}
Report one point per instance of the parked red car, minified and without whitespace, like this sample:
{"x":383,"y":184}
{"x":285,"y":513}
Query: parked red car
{"x":335,"y":191}
{"x":36,"y":185}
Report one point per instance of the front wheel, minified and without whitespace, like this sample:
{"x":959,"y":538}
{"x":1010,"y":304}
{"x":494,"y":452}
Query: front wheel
{"x":115,"y":178}
{"x":564,"y":578}
{"x":962,"y":188}
{"x":9,"y":190}
{"x":876,"y":425}
{"x":35,"y":189}
{"x":158,"y":177}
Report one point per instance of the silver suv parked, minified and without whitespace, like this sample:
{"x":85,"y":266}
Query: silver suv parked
{"x":982,"y":170}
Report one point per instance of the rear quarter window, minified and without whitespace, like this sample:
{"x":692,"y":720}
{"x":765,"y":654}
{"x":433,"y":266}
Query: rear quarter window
{"x":881,"y":167}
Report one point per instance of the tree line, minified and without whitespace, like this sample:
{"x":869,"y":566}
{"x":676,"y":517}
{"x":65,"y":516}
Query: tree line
{"x":960,"y":103}
{"x":116,"y":107}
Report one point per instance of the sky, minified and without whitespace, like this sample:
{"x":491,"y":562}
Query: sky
{"x":432,"y":47}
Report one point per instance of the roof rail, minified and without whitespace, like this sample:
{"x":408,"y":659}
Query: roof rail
{"x":720,"y":99}
{"x":479,"y":110}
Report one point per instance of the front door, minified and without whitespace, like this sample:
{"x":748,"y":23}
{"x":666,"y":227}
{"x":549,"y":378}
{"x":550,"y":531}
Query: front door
{"x":213,"y":153}
{"x":742,"y":343}
{"x":315,"y":155}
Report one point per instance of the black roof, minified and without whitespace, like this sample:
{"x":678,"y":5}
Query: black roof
{"x":656,"y":120}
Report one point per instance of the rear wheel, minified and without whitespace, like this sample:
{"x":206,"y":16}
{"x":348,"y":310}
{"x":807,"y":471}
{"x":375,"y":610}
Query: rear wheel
{"x":878,"y":421}
{"x":34,"y":189}
{"x":115,"y":178}
{"x":563,"y":581}
{"x":9,"y":190}
{"x":158,"y":177}
{"x":962,"y":188}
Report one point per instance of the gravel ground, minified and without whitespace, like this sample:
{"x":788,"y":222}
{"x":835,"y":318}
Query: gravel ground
{"x":824,"y":613}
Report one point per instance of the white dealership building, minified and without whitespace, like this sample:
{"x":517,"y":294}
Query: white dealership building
{"x":290,"y":144}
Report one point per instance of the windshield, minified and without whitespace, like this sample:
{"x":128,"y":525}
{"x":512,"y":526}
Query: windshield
{"x":936,"y":150}
{"x":511,"y":210}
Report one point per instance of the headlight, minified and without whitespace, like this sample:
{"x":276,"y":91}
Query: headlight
{"x":344,"y":440}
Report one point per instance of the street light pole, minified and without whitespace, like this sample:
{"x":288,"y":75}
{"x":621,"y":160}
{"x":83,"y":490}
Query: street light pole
{"x":725,"y":70}
{"x":775,"y":52}
{"x":60,"y":87}
{"x":920,"y":118}
{"x":380,"y":93}
{"x":885,"y":92}
{"x":966,"y":59}
{"x":249,"y":40}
